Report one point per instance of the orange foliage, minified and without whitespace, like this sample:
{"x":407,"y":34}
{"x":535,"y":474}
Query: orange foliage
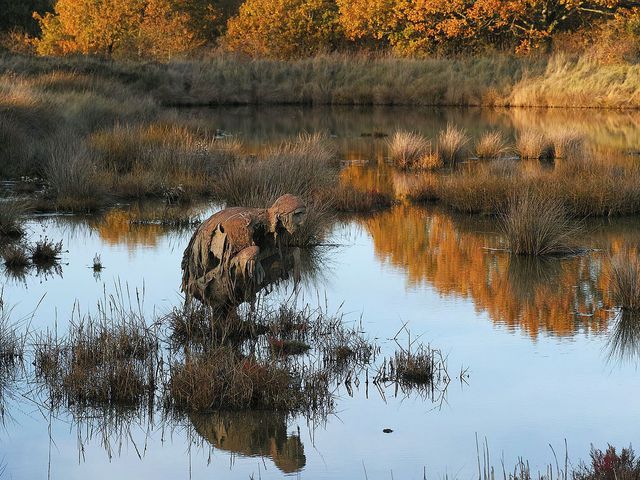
{"x":125,"y":28}
{"x":414,"y":26}
{"x":554,"y":296}
{"x":283,"y":28}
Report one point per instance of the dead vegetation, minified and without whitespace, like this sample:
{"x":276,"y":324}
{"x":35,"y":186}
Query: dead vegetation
{"x":492,"y":145}
{"x":412,"y":151}
{"x":625,"y":281}
{"x":11,"y":217}
{"x":536,"y":224}
{"x":110,"y":360}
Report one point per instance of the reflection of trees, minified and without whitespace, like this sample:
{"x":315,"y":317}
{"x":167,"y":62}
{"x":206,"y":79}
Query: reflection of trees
{"x":448,"y":253}
{"x":116,"y":228}
{"x":253,"y":433}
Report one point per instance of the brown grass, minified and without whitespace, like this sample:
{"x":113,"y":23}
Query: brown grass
{"x":568,"y":145}
{"x":11,"y":217}
{"x":409,"y":150}
{"x":452,"y":145}
{"x":625,"y":281}
{"x":533,"y":145}
{"x":110,"y":360}
{"x":224,"y":379}
{"x":492,"y":145}
{"x":16,"y":256}
{"x":45,"y":251}
{"x":301,"y":167}
{"x":537,"y":224}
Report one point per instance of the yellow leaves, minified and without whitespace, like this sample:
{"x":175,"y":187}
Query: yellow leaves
{"x":283,"y":28}
{"x":124,"y":28}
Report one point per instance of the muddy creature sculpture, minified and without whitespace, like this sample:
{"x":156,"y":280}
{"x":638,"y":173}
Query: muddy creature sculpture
{"x":238,"y":251}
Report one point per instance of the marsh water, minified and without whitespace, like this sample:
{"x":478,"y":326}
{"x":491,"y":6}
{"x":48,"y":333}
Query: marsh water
{"x":546,"y":357}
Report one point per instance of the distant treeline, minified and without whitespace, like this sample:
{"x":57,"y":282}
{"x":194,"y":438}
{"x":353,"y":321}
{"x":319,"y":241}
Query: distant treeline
{"x":286,"y":29}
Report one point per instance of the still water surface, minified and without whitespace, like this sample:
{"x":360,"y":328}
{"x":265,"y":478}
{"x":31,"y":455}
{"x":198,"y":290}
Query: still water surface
{"x":538,"y":337}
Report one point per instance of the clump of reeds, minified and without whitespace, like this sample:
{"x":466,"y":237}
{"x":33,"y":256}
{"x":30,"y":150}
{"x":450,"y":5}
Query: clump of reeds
{"x":410,"y":150}
{"x":568,"y":145}
{"x":417,"y":368}
{"x":492,"y":145}
{"x":45,"y":251}
{"x":452,"y":144}
{"x":350,"y":199}
{"x":625,"y":281}
{"x":108,"y":361}
{"x":16,"y":256}
{"x":72,"y":176}
{"x":11,"y":343}
{"x":531,"y":144}
{"x":11,"y":217}
{"x":224,"y":379}
{"x":536,"y":223}
{"x":339,"y":345}
{"x":203,"y":327}
{"x":301,"y":167}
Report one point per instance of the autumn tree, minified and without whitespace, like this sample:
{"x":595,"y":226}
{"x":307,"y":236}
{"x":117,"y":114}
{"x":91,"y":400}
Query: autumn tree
{"x":426,"y":26}
{"x":283,"y":28}
{"x":126,"y":28}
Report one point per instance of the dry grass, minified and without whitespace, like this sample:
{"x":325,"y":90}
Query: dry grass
{"x":538,"y":224}
{"x":301,"y":167}
{"x":110,"y":360}
{"x":452,"y":145}
{"x":409,"y":150}
{"x":351,"y":199}
{"x":11,"y":216}
{"x":568,"y":145}
{"x":72,"y":176}
{"x":533,"y":145}
{"x":45,"y":251}
{"x":625,"y":281}
{"x":16,"y":256}
{"x":224,"y":379}
{"x":492,"y":145}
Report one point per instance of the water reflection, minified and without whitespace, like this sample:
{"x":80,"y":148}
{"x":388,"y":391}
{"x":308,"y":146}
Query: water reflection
{"x":253,"y":433}
{"x":624,"y":339}
{"x":453,"y":255}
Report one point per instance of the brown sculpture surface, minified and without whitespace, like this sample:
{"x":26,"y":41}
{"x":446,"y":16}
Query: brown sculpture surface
{"x":238,"y":251}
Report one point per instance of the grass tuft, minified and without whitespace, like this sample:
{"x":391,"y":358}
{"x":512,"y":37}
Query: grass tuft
{"x":625,"y":281}
{"x":452,"y":144}
{"x":538,"y":224}
{"x":409,"y":150}
{"x":492,"y":145}
{"x":45,"y":251}
{"x":532,"y":145}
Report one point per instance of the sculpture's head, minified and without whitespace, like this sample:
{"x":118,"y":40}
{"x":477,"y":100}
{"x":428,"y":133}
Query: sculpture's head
{"x":288,"y":212}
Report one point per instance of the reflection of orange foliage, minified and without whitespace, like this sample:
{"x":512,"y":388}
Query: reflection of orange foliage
{"x":553,"y":295}
{"x":115,"y":228}
{"x":368,"y":179}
